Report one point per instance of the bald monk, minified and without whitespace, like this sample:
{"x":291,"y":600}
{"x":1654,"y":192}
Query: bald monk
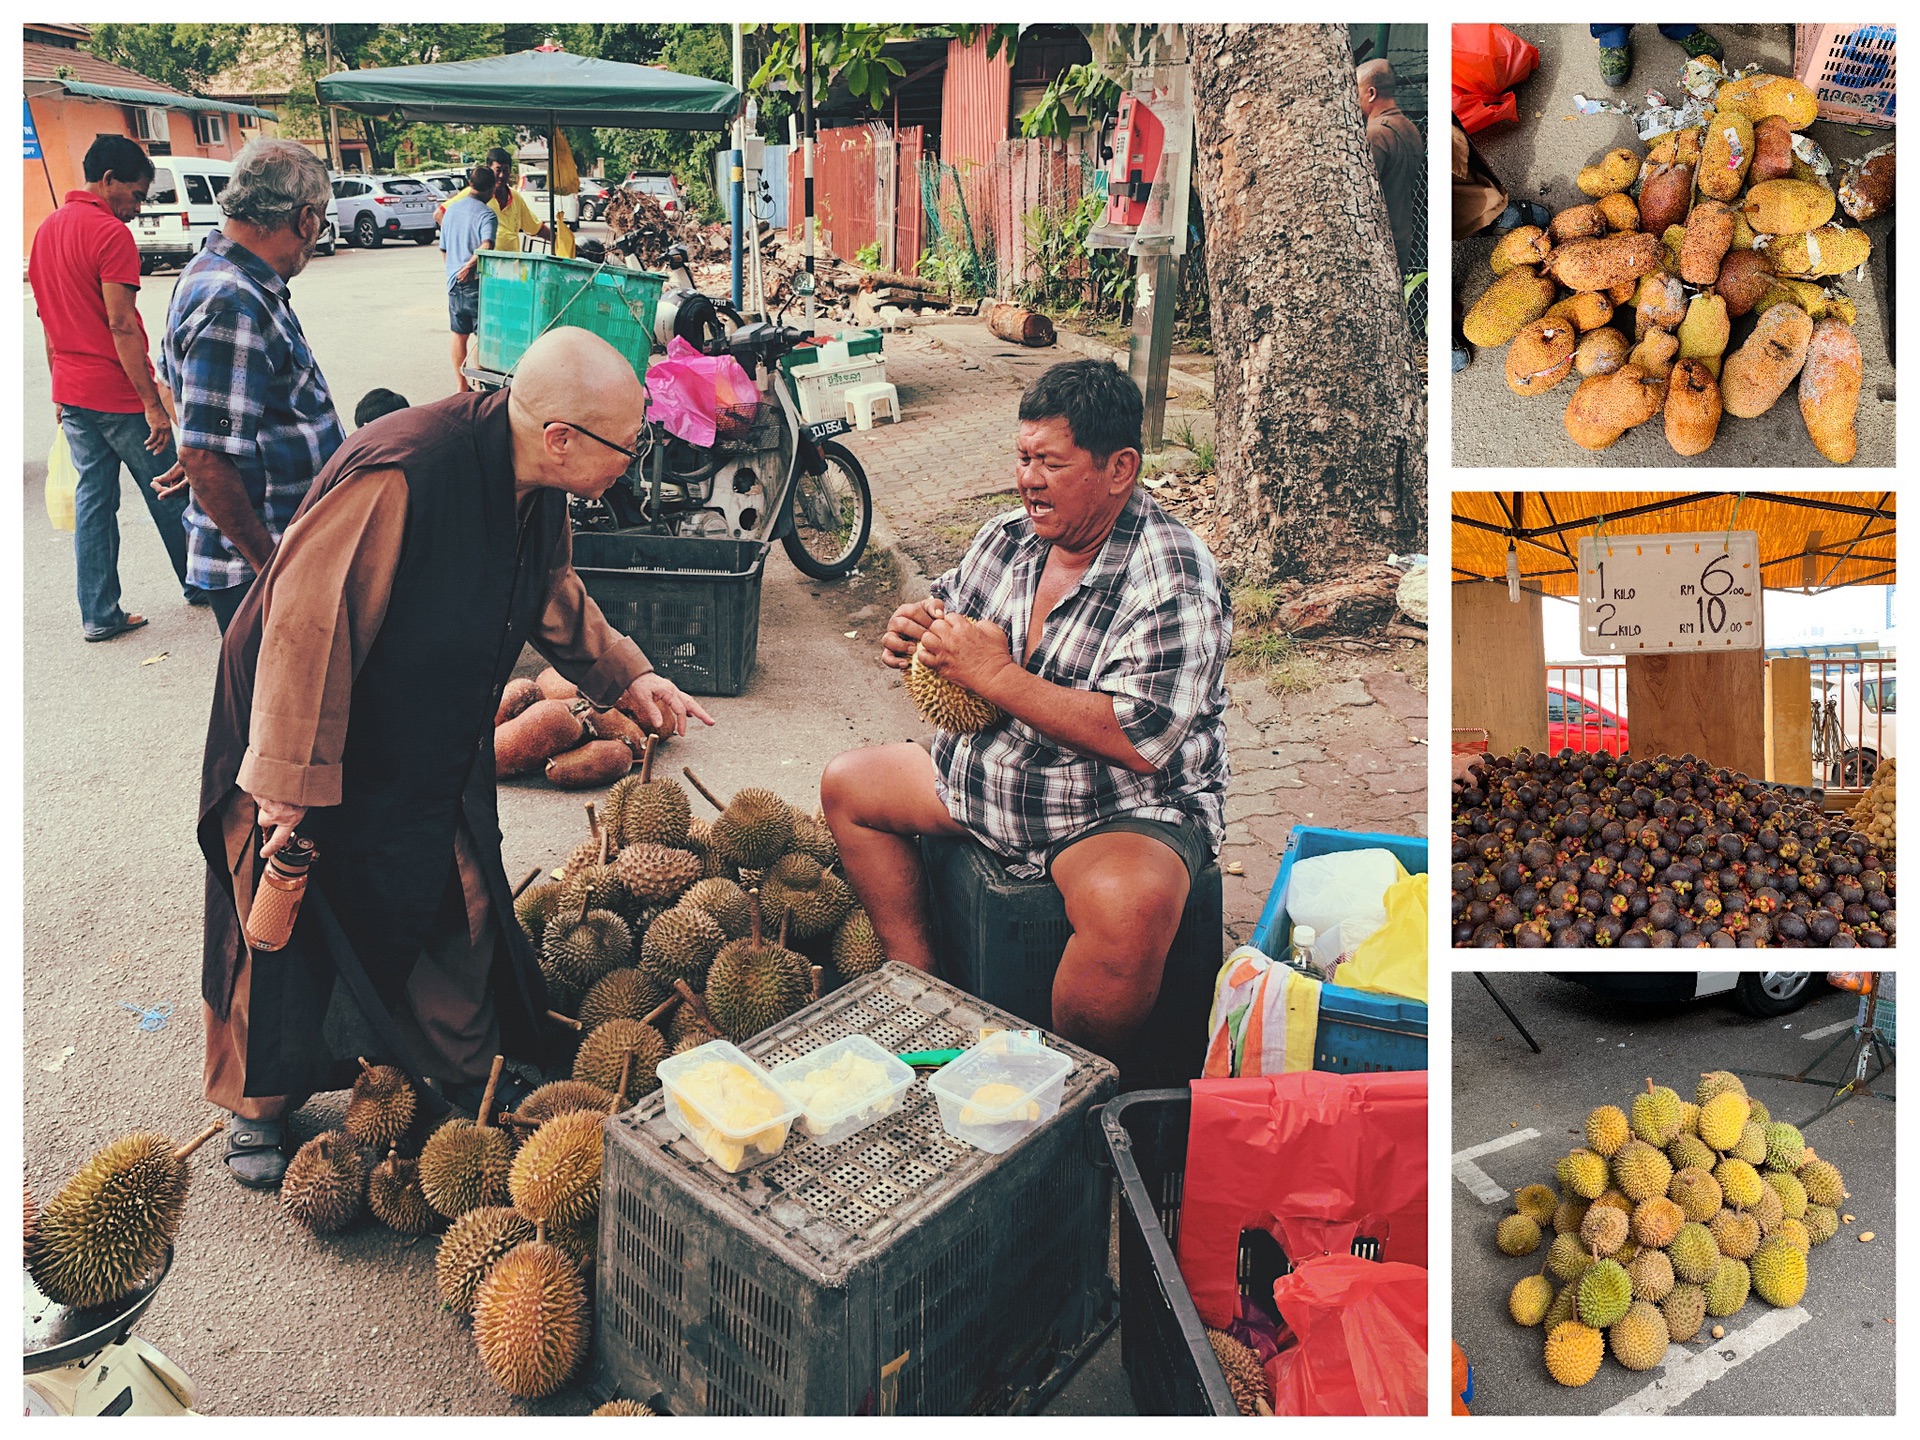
{"x":1399,"y":152}
{"x":355,"y":702}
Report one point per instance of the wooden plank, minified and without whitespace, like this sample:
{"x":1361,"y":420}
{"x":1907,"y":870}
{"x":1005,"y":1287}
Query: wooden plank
{"x":1790,"y":721}
{"x":1710,"y":706}
{"x":1500,"y":667}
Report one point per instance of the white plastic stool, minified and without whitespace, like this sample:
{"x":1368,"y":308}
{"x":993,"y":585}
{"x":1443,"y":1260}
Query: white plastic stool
{"x":861,"y":400}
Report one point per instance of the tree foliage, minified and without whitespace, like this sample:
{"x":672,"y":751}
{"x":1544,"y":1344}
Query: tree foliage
{"x":185,"y":56}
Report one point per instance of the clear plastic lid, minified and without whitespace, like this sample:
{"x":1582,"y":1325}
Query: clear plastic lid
{"x":841,"y":1081}
{"x":739,"y":1103}
{"x":1000,"y":1078}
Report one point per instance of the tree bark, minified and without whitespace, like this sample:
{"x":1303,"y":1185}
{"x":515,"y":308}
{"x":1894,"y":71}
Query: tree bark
{"x":1321,"y":412}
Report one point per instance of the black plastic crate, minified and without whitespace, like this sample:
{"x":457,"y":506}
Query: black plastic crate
{"x":897,"y":1272}
{"x":692,"y":605}
{"x":1001,"y":938}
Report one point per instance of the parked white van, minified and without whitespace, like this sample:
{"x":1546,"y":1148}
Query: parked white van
{"x":182,"y":209}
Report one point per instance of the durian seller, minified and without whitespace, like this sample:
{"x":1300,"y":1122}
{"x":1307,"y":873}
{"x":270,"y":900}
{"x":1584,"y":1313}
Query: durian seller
{"x":1108,"y":768}
{"x":355,"y":701}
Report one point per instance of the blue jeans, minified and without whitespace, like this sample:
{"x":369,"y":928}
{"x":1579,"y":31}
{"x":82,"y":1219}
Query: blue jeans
{"x":101,"y":443}
{"x":1614,"y":37}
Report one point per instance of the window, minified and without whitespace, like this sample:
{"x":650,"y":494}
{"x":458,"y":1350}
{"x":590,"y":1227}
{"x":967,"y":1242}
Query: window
{"x":197,"y":192}
{"x":163,"y":190}
{"x":405,"y":187}
{"x":209,"y":128}
{"x":219,"y":183}
{"x":1556,"y":708}
{"x":246,"y":122}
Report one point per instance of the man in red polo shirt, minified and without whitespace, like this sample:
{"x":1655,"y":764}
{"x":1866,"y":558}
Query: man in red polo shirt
{"x":85,"y":273}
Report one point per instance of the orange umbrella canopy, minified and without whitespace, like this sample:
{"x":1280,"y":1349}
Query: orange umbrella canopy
{"x":1809,"y":540}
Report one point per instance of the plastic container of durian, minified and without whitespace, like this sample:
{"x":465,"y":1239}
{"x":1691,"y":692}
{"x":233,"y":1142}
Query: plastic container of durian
{"x":722,"y":1100}
{"x":1004,"y":1087}
{"x":844,"y":1087}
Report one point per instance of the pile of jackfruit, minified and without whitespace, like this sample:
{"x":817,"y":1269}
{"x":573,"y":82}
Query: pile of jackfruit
{"x":1671,"y":1215}
{"x":1714,"y":222}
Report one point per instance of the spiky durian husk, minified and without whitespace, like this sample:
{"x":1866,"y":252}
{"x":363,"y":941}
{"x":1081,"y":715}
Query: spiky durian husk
{"x":753,"y":986}
{"x":394,"y":1196}
{"x":944,"y":705}
{"x":657,"y":874}
{"x":1246,"y":1379}
{"x":381,"y":1108}
{"x":628,"y":993}
{"x":626,"y":1407}
{"x":754,"y":830}
{"x":463,"y":1167}
{"x":656,"y":813}
{"x":602,"y":1054}
{"x":582,"y":950}
{"x":560,"y":1097}
{"x":713,"y":865}
{"x":726,"y":902}
{"x":471,"y":1247}
{"x":325,"y":1188}
{"x":535,"y":907}
{"x":680,"y":945}
{"x":598,"y":885}
{"x":556,"y":1176}
{"x":685,"y":1024}
{"x":812,"y":837}
{"x":857,"y":951}
{"x":811,"y":899}
{"x":106,"y":1229}
{"x":530,"y":1320}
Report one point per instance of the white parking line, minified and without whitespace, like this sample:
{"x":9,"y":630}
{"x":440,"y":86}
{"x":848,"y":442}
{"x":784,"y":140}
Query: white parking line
{"x":1826,"y":1030}
{"x":1688,"y":1374}
{"x":1477,"y":1180}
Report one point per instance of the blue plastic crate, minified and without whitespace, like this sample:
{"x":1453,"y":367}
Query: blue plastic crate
{"x":1274,"y":930}
{"x":1363,"y":1031}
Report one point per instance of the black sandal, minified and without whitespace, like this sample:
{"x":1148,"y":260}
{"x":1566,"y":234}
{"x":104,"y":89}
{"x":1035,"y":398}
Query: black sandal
{"x":256,"y":1152}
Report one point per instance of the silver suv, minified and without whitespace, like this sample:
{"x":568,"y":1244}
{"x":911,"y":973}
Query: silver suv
{"x":374,"y":208}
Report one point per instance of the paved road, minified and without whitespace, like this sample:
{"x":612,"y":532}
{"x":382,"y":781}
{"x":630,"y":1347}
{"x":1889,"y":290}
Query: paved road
{"x":1840,"y":1361}
{"x":1537,"y":160}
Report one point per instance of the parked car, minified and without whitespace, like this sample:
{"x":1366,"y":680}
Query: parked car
{"x":183,"y":208}
{"x":1864,"y":708}
{"x":444,"y":183}
{"x":374,"y":208}
{"x":593,"y":198}
{"x":1762,"y":992}
{"x":661,"y":186}
{"x":533,"y":190}
{"x":1579,"y":721}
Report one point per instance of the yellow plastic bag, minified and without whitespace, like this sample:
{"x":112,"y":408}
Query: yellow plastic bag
{"x":563,"y":246}
{"x":565,"y":176}
{"x":1393,"y":960}
{"x":62,"y":480}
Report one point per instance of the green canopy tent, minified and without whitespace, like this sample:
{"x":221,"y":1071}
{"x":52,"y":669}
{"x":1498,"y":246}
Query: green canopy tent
{"x":511,"y":89}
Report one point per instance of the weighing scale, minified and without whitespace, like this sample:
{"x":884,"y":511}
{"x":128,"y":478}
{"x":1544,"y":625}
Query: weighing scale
{"x":89,"y":1361}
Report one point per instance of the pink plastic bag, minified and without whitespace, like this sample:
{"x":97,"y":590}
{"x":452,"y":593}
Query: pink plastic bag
{"x":687,"y":392}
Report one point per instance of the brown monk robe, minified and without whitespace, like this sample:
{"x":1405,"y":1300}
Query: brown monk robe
{"x":359,"y":682}
{"x":1399,"y":153}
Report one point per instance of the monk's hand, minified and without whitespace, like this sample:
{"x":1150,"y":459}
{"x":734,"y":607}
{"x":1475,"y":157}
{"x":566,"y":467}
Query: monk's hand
{"x":970,"y":653}
{"x":906,"y":629}
{"x":279,"y":819}
{"x":656,"y":702}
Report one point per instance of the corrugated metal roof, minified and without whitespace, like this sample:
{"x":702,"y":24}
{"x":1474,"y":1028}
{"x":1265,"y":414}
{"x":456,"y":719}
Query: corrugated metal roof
{"x":91,"y":78}
{"x":172,"y":100}
{"x":974,"y":104}
{"x":1808,"y":540}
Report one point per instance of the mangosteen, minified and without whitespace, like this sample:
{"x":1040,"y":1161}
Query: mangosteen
{"x":1823,"y":925}
{"x":1662,"y":915}
{"x":1506,"y":915}
{"x":1733,"y":903}
{"x":1879,"y":902}
{"x":1760,"y":927}
{"x":1721,"y":940}
{"x":1510,"y":875}
{"x":1695,"y":941}
{"x":1569,"y":939}
{"x":1463,"y":933}
{"x":1843,"y":941}
{"x":1533,"y":935}
{"x":1487,"y":887}
{"x":1791,"y":929}
{"x":1856,"y":915}
{"x":1873,"y":937}
{"x":1637,"y":905}
{"x":1479,"y":912}
{"x":1663,"y":940}
{"x":1558,"y":920}
{"x":1564,"y":895}
{"x":1489,"y":937}
{"x":1729,"y":845}
{"x":1635,"y":940}
{"x":1769,"y":839}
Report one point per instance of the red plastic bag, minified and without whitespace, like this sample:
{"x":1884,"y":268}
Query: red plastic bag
{"x":1312,"y":1158}
{"x":1361,"y":1329}
{"x":689,"y":393}
{"x":1488,"y":61}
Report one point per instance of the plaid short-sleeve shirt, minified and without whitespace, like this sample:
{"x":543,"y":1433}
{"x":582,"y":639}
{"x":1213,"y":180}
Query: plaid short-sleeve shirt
{"x":246,"y":385}
{"x":1149,"y":624}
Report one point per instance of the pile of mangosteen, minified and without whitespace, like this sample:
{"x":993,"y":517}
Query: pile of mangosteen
{"x":1577,"y":849}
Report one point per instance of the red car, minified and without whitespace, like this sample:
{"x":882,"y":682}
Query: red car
{"x":1579,"y":722}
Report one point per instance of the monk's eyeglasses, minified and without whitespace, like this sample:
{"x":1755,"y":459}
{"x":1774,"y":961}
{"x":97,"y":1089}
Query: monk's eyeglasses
{"x":571,"y":425}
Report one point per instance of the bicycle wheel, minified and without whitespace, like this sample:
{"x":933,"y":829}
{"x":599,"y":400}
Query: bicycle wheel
{"x":832,"y":516}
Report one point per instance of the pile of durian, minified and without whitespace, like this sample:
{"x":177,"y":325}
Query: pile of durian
{"x":1673,"y":1213}
{"x":1873,"y":815}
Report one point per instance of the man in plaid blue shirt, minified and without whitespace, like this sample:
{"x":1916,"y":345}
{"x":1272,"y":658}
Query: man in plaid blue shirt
{"x":1108,"y":768}
{"x":256,"y":420}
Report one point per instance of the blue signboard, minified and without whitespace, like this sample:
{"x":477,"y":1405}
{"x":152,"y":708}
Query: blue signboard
{"x":33,"y":138}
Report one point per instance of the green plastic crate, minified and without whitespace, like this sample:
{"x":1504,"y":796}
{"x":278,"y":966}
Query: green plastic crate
{"x":859,"y":343}
{"x":522,"y":296}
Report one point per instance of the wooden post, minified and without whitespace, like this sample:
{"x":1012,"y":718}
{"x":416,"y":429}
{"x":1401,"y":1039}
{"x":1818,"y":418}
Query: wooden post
{"x":1790,"y":721}
{"x":1500,"y":667}
{"x":1711,"y":706}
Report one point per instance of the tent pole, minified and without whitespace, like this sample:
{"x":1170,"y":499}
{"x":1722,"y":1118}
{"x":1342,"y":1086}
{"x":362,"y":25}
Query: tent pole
{"x":806,"y":141}
{"x":736,"y":160}
{"x":553,"y":227}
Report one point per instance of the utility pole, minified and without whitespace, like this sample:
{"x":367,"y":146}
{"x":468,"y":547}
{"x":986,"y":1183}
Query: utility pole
{"x":329,"y":122}
{"x":1156,"y":291}
{"x":806,"y":155}
{"x":736,"y":166}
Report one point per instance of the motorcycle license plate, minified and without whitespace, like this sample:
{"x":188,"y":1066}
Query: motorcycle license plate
{"x":826,"y":429}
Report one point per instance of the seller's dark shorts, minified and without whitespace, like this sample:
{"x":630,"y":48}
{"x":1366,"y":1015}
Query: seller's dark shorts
{"x":1188,"y":840}
{"x":463,"y":308}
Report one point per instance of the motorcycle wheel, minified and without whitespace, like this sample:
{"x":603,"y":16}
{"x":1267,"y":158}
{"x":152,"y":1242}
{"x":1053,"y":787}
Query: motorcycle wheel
{"x":832,"y":516}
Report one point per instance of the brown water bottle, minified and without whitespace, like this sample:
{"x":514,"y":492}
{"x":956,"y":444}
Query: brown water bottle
{"x":276,"y":901}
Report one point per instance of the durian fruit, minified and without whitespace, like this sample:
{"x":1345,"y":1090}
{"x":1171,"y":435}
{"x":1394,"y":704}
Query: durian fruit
{"x":470,"y":1248}
{"x":1769,"y":1210}
{"x":381,"y":1108}
{"x":1759,"y":1113}
{"x":559,"y":1097}
{"x":463,"y":1165}
{"x":1530,"y":1299}
{"x":857,"y":951}
{"x":754,"y":830}
{"x":1786,"y":1148}
{"x":713,"y":865}
{"x":1641,"y":1171}
{"x":1822,"y":1223}
{"x":1246,"y":1379}
{"x":1753,"y":1144}
{"x":625,"y":1407}
{"x":1607,"y":1130}
{"x":1689,"y":1122}
{"x":1574,"y":1352}
{"x":28,"y":1228}
{"x":556,"y":1176}
{"x":325,"y":1188}
{"x":1693,"y":1253}
{"x":1657,"y":1221}
{"x":1639,"y":1338}
{"x":1582,"y":1173}
{"x":725,"y":901}
{"x":1739,"y":1183}
{"x":649,"y":811}
{"x":1696,"y":1192}
{"x":628,"y":993}
{"x":582,"y":947}
{"x":1568,"y":1215}
{"x":1561,"y":1310}
{"x":1689,"y":1152}
{"x":692,"y":1040}
{"x":1736,"y":1233}
{"x":1727,"y":1287}
{"x":681,"y":945}
{"x":946,"y":706}
{"x":394,"y":1196}
{"x":1604,"y":1294}
{"x":1655,"y":1116}
{"x":1613,"y":1197}
{"x":579,"y":1243}
{"x":102,"y":1234}
{"x":1517,"y":1235}
{"x":1651,"y":1273}
{"x":805,"y":898}
{"x":602,"y":1056}
{"x":1536,"y":1202}
{"x":535,"y":907}
{"x":1822,"y":1182}
{"x":1793,"y":1195}
{"x":593,"y":887}
{"x":1685,"y":1311}
{"x":1714,"y":1083}
{"x":1779,"y":1271}
{"x":1603,"y":1231}
{"x":530,"y":1320}
{"x":754,"y":984}
{"x":812,"y":837}
{"x":684,"y":1024}
{"x":656,"y":874}
{"x":1795,"y":1234}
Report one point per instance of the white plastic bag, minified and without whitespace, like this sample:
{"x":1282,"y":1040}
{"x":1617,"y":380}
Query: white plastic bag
{"x":1343,"y":896}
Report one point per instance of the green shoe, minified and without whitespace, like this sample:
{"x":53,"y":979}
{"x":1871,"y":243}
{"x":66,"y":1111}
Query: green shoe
{"x":1699,"y":45}
{"x":1616,"y":64}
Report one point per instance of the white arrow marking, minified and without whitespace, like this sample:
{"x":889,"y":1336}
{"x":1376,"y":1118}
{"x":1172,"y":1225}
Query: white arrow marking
{"x":1688,"y":1374}
{"x":1476,"y":1179}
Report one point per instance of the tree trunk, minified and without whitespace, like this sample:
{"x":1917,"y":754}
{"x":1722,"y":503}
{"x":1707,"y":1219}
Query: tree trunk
{"x":1322,"y":416}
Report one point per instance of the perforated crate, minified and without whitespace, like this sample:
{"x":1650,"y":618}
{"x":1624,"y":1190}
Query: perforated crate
{"x":900,"y":1271}
{"x":1850,"y":69}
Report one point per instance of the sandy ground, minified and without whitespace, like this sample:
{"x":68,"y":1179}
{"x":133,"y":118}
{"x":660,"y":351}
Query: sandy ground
{"x":1537,"y":159}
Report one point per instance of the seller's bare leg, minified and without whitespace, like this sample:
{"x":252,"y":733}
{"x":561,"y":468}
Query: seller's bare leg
{"x":878,"y":802}
{"x":1125,"y":893}
{"x":459,"y":361}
